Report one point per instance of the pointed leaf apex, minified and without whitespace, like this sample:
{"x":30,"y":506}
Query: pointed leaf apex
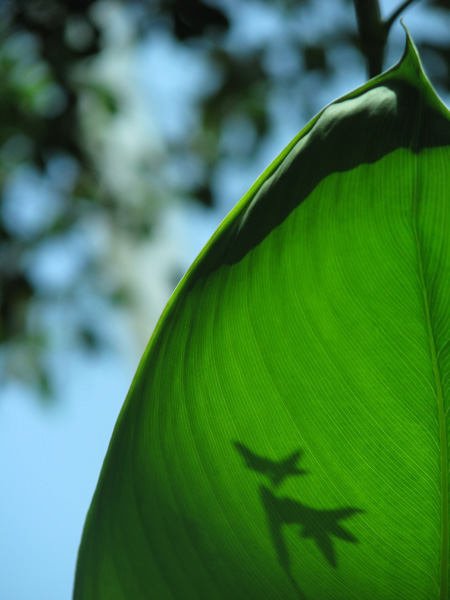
{"x":410,"y":69}
{"x":410,"y":63}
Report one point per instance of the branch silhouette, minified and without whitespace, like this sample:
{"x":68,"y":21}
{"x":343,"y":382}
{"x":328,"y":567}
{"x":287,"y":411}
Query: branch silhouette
{"x":276,"y":471}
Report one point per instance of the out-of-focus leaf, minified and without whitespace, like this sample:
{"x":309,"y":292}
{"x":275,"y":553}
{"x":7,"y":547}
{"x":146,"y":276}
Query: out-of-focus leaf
{"x":90,"y":338}
{"x":106,"y":97}
{"x":193,"y":18}
{"x":442,"y":4}
{"x":204,"y":195}
{"x":13,"y":306}
{"x":286,"y":433}
{"x":315,"y":58}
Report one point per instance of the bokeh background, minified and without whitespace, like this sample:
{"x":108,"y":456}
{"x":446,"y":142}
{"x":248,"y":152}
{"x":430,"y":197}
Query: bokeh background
{"x":128,"y":130}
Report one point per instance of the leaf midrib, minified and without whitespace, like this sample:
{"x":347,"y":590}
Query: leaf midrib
{"x":443,"y":442}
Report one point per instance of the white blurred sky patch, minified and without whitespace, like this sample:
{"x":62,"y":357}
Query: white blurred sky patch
{"x":122,"y":142}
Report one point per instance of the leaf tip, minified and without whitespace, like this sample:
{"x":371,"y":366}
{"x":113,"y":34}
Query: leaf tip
{"x":410,"y":68}
{"x":410,"y":62}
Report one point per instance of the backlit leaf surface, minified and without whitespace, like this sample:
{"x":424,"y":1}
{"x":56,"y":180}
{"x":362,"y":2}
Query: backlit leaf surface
{"x":286,"y":433}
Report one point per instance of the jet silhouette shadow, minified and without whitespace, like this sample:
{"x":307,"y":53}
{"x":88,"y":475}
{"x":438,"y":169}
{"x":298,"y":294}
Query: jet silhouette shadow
{"x":319,"y":525}
{"x":276,"y":471}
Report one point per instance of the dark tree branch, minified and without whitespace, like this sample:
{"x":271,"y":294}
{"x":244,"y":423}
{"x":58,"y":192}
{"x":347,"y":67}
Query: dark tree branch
{"x":389,"y":22}
{"x":372,"y":34}
{"x":374,"y":31}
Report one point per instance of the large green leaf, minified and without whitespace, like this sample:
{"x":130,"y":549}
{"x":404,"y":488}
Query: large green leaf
{"x":286,"y":433}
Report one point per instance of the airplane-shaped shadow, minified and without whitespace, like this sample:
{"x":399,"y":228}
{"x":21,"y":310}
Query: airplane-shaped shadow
{"x":276,"y":471}
{"x":319,"y":525}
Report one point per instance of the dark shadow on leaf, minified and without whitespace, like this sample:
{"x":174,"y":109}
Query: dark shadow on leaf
{"x":324,"y":527}
{"x":367,"y":135}
{"x":276,"y":471}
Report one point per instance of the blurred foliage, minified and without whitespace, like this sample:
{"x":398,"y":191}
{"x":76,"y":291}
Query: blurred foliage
{"x":55,"y":112}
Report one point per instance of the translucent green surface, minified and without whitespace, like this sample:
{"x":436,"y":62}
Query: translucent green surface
{"x":285,"y":435}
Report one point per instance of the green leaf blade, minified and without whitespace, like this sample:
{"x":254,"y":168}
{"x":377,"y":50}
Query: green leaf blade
{"x":314,"y":325}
